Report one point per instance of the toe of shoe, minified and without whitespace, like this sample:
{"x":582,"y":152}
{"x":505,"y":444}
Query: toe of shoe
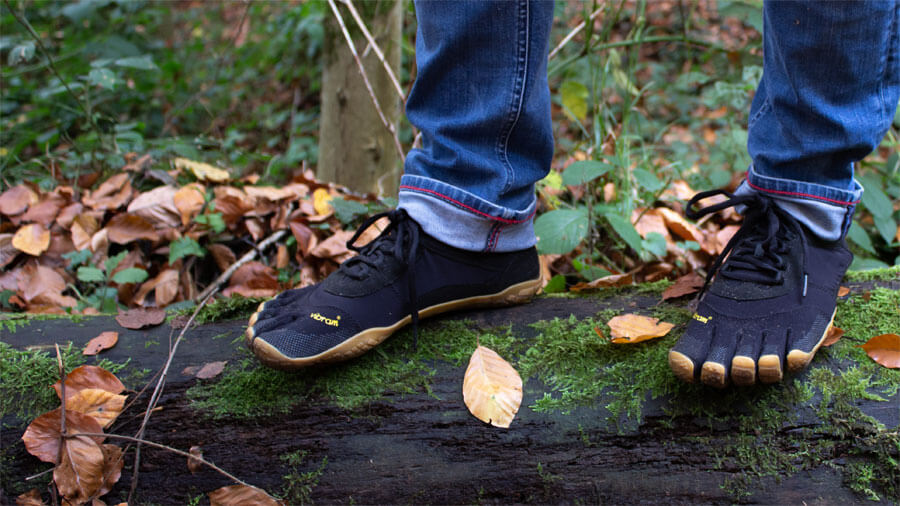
{"x":743,"y":370}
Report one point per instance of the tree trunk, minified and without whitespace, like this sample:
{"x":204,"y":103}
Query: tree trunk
{"x":355,"y":148}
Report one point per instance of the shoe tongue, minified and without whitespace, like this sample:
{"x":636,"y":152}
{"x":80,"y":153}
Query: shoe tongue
{"x":374,"y":267}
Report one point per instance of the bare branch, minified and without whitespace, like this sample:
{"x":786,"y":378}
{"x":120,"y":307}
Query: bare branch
{"x":362,"y":70}
{"x":362,"y":26}
{"x":573,"y":33}
{"x":250,"y":255}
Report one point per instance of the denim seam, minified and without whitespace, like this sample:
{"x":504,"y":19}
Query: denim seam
{"x":464,"y":207}
{"x":518,"y":95}
{"x":799,"y":194}
{"x":493,"y":236}
{"x":762,"y":110}
{"x":892,"y":34}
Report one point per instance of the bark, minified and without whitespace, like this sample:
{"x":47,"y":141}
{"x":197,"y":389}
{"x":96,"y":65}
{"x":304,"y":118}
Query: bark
{"x":355,"y":148}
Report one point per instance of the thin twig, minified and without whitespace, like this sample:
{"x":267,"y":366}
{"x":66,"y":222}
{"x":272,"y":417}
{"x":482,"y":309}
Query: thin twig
{"x":374,"y":46}
{"x":362,"y":70}
{"x":140,"y":441}
{"x":573,"y":33}
{"x":250,"y":255}
{"x":156,"y":394}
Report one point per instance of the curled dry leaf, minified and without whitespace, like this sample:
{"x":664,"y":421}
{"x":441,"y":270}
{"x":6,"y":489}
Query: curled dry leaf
{"x":241,"y":495}
{"x":30,"y":498}
{"x":141,"y":317}
{"x":104,"y":341}
{"x":193,"y":464}
{"x":157,"y":206}
{"x":685,"y":285}
{"x":83,"y":228}
{"x":112,"y":467}
{"x":125,"y":228}
{"x":492,"y":389}
{"x":833,"y":336}
{"x":202,"y":171}
{"x":253,"y":279}
{"x":102,"y":406}
{"x":17,"y":199}
{"x":41,"y":285}
{"x":45,"y":211}
{"x":33,"y":239}
{"x":334,"y":247}
{"x":111,"y":194}
{"x":222,"y":255}
{"x":8,"y":252}
{"x":843,"y":291}
{"x":42,"y":439}
{"x":79,"y":474}
{"x":606,"y":282}
{"x":633,"y":328}
{"x":884,"y":350}
{"x":211,"y":369}
{"x":189,"y":201}
{"x":89,"y":376}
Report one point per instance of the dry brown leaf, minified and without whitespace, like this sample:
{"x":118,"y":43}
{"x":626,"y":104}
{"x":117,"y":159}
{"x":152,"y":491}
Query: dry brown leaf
{"x":125,"y":228}
{"x":45,"y":211}
{"x":89,"y":376}
{"x":681,"y":190}
{"x":306,"y":238}
{"x":232,"y":207}
{"x":202,"y":171}
{"x":97,"y":403}
{"x":68,"y":213}
{"x":8,"y":252}
{"x":256,"y":228}
{"x":609,"y":192}
{"x":193,"y":464}
{"x":685,"y":285}
{"x":17,"y":199}
{"x":282,"y":259}
{"x":334,"y":247}
{"x":651,"y":221}
{"x":141,"y":317}
{"x":112,"y":467}
{"x":189,"y":200}
{"x":79,"y":474}
{"x":41,"y":438}
{"x":104,"y":341}
{"x":30,"y":498}
{"x":606,"y":282}
{"x":241,"y":495}
{"x":83,"y":228}
{"x":322,"y":201}
{"x":725,"y":235}
{"x":682,"y":228}
{"x":833,"y":336}
{"x":157,"y":206}
{"x":165,"y":285}
{"x":42,"y":285}
{"x":253,"y":279}
{"x":111,"y":194}
{"x":843,"y":291}
{"x":211,"y":370}
{"x":884,"y":350}
{"x":222,"y":255}
{"x":492,"y":389}
{"x":633,"y":328}
{"x":32,"y":239}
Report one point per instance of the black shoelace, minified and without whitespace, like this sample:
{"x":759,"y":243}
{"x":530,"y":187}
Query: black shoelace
{"x":399,"y":239}
{"x":758,"y":249}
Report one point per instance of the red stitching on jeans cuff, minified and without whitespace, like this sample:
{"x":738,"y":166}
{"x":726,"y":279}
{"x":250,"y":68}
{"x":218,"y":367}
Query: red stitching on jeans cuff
{"x":798,"y":194}
{"x":476,"y":211}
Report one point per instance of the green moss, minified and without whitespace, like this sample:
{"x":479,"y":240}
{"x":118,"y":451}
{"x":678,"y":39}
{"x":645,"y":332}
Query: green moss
{"x":11,"y":322}
{"x":248,"y":389}
{"x":885,"y":274}
{"x":26,"y":377}
{"x":224,"y":308}
{"x":299,"y":484}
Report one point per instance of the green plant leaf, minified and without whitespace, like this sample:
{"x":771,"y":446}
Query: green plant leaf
{"x":861,"y":238}
{"x":347,"y":210}
{"x":655,"y":243}
{"x":866,"y":264}
{"x":130,"y":275}
{"x":77,"y":258}
{"x":21,"y":53}
{"x":112,"y":262}
{"x":574,"y":97}
{"x":887,"y":227}
{"x":90,"y":274}
{"x":102,"y":77}
{"x":557,"y":284}
{"x":647,"y":179}
{"x":626,"y":231}
{"x":561,"y":230}
{"x":584,"y":171}
{"x":873,"y":197}
{"x":213,"y":221}
{"x":184,"y":246}
{"x":137,"y":62}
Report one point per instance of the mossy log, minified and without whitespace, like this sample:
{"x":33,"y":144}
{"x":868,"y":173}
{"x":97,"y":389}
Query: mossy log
{"x":391,"y":427}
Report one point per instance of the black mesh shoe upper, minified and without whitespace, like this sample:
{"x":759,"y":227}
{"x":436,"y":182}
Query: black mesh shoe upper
{"x":771,"y":292}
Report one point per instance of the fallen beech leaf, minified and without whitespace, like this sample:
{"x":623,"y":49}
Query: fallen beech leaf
{"x":83,"y":228}
{"x":606,"y":282}
{"x":165,"y":285}
{"x":322,"y":201}
{"x":104,"y":341}
{"x":633,"y":328}
{"x":843,"y":291}
{"x":241,"y":495}
{"x":41,"y":438}
{"x":79,"y":474}
{"x":212,"y":369}
{"x":232,"y":207}
{"x":725,"y":235}
{"x":193,"y":464}
{"x":45,"y":211}
{"x":17,"y":199}
{"x":189,"y":201}
{"x":834,"y":334}
{"x":41,"y":285}
{"x":281,"y":257}
{"x":222,"y":255}
{"x":599,"y":333}
{"x":112,"y":467}
{"x":142,"y":317}
{"x":202,"y":171}
{"x":30,"y":498}
{"x":111,"y":194}
{"x":89,"y":376}
{"x":651,"y":221}
{"x":8,"y":252}
{"x":685,"y":285}
{"x":125,"y":228}
{"x":68,"y":213}
{"x":334,"y":247}
{"x":253,"y":279}
{"x":157,"y":206}
{"x":99,"y":404}
{"x":683,"y":229}
{"x":492,"y":389}
{"x":884,"y":349}
{"x":33,"y":239}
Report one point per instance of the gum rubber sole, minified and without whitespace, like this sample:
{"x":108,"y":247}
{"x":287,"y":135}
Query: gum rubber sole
{"x":713,"y":374}
{"x":743,"y":370}
{"x":682,"y":366}
{"x":362,"y":342}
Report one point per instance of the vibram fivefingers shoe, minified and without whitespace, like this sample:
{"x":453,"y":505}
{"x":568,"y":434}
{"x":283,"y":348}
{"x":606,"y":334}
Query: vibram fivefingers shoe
{"x":399,"y":277}
{"x":771,"y":303}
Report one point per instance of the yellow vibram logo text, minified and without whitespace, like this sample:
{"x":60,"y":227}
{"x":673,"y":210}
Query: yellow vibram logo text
{"x":702,"y":319}
{"x":327,"y":321}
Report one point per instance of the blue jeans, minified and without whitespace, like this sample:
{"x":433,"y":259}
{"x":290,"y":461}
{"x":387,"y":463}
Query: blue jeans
{"x":828,"y":94}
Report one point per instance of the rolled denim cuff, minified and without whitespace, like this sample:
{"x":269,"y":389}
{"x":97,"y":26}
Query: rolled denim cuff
{"x":464,"y":220}
{"x":824,"y":210}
